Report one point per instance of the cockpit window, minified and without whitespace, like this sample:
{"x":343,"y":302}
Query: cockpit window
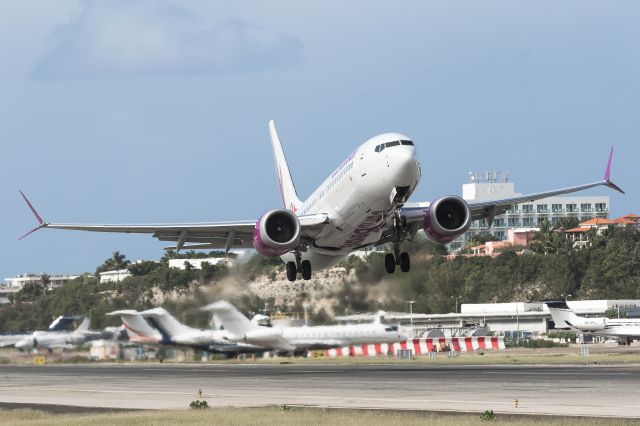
{"x":381,"y":147}
{"x":392,"y":328}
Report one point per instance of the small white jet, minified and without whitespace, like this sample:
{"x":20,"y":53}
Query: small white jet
{"x":61,"y":339}
{"x":361,"y":203}
{"x":625,"y":330}
{"x":62,"y":323}
{"x":301,"y":339}
{"x":157,"y":326}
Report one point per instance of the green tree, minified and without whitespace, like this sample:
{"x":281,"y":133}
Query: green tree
{"x":116,"y":262}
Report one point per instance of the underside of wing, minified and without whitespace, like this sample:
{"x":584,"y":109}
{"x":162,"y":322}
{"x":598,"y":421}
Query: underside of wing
{"x":490,"y":209}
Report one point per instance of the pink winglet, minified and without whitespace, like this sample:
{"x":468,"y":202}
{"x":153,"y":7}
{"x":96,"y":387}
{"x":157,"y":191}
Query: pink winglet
{"x":608,"y":169}
{"x":35,"y":213}
{"x":30,"y":232}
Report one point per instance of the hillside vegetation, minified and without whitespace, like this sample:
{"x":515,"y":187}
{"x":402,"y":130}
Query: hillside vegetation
{"x":608,"y":268}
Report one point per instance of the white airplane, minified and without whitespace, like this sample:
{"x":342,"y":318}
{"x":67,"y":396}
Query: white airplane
{"x":157,"y":326}
{"x":625,"y":330}
{"x":62,"y":323}
{"x":300,"y":339}
{"x":361,"y":204}
{"x":62,"y":339}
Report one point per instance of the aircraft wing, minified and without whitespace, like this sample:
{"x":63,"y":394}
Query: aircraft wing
{"x":202,"y":235}
{"x":490,"y":209}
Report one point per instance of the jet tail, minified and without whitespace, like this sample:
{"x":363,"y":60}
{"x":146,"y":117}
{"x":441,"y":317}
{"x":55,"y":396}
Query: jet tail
{"x":84,"y":325}
{"x":137,"y":328}
{"x":288,"y":193}
{"x":62,"y":323}
{"x":562,"y":315}
{"x":166,"y":323}
{"x":230,"y":318}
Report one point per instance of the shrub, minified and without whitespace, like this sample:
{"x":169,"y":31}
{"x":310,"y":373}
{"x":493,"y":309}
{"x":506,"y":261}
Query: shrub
{"x":198,"y":404}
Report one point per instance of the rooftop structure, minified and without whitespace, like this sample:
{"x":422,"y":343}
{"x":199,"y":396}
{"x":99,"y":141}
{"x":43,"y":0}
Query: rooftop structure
{"x":196,"y":263}
{"x":580,"y":234}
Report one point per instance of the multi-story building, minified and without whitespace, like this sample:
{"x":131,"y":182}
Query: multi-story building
{"x":492,"y":185}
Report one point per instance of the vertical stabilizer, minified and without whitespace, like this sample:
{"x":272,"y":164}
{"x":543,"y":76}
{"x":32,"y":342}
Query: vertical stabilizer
{"x":137,"y":327}
{"x":562,"y":315}
{"x":230,"y":318}
{"x":288,"y":194}
{"x":166,"y":323}
{"x":84,"y":325}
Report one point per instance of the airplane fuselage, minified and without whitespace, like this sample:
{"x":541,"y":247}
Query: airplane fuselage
{"x":361,"y":197}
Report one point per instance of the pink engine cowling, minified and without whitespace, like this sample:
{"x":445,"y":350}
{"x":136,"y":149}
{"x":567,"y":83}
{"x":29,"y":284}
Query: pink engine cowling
{"x":446,"y":218}
{"x":276,"y":233}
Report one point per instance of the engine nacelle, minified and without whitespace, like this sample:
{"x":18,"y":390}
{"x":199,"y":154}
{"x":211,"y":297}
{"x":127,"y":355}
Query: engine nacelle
{"x":276,"y":233}
{"x":589,"y":324}
{"x":446,"y":218}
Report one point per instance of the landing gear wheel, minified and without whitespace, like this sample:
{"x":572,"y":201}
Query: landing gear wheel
{"x":306,"y":269}
{"x":405,"y":262}
{"x":292,"y":271}
{"x":390,"y":263}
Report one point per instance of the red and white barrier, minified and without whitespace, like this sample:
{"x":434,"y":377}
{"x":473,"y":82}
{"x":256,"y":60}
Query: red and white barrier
{"x":419,"y":346}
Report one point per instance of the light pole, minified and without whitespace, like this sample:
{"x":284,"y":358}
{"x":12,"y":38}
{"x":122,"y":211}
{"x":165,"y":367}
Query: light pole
{"x":411,"y":302}
{"x":456,"y":298}
{"x":306,"y":315}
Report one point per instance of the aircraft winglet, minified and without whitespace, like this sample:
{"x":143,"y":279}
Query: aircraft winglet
{"x":41,"y":223}
{"x":607,"y":174}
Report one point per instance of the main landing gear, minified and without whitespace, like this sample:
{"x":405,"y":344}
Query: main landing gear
{"x":402,"y":259}
{"x":304,"y":269}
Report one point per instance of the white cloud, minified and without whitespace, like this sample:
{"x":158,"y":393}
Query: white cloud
{"x":119,"y":38}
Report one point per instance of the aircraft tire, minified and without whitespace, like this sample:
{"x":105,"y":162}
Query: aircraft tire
{"x":306,"y":269}
{"x":390,"y":263}
{"x":292,"y":272}
{"x":405,"y":262}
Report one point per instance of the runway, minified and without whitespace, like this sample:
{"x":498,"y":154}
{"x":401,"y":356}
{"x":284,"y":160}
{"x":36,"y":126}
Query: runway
{"x":557,"y":390}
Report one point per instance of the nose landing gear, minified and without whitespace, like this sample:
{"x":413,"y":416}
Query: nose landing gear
{"x":398,"y":258}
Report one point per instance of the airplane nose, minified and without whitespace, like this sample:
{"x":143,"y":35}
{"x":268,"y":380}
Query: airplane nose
{"x":405,"y":163}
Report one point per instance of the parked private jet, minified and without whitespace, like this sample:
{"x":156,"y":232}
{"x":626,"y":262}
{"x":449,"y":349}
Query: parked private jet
{"x":64,"y":339}
{"x":625,"y":330}
{"x":157,"y":326}
{"x":300,"y":339}
{"x":62,"y":323}
{"x":361,"y":203}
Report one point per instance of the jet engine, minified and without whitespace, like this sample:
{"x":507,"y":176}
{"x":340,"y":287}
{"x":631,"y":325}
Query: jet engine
{"x":446,"y":218}
{"x":588,"y":324}
{"x":276,"y":233}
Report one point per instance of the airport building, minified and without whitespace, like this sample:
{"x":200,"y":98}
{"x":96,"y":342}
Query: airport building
{"x":500,"y":319}
{"x":15,"y":284}
{"x":491,"y":185}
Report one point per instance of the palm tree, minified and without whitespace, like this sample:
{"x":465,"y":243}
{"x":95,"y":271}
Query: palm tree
{"x":116,"y":262}
{"x":544,"y":240}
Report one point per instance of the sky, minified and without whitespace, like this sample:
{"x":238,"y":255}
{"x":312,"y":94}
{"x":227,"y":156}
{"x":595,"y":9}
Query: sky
{"x":132,"y":111}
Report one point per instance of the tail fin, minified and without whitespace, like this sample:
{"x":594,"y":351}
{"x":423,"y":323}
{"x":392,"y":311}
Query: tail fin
{"x":562,"y":315}
{"x":84,"y":325}
{"x":166,"y":323}
{"x":230,"y":318}
{"x":62,"y":323}
{"x":288,"y":194}
{"x":137,"y":328}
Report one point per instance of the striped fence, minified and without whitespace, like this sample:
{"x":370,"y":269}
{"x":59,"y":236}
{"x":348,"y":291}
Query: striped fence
{"x":418,"y":346}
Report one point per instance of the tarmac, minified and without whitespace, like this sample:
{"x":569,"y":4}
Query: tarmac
{"x":602,"y":391}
